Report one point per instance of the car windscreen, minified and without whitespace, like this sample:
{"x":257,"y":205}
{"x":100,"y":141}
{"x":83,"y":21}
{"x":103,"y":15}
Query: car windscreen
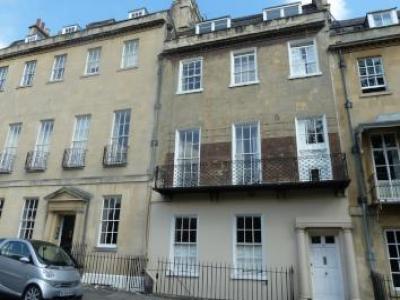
{"x":51,"y":255}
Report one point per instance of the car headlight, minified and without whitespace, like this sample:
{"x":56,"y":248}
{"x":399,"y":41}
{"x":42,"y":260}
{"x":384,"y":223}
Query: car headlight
{"x":48,"y":274}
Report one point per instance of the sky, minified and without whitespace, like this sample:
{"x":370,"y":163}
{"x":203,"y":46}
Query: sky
{"x":17,"y":15}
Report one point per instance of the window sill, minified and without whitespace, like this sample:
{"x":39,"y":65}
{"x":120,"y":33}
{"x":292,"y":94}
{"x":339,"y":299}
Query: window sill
{"x":189,"y":92}
{"x":127,"y":69}
{"x":104,"y":248}
{"x":233,"y":85}
{"x":55,"y":81}
{"x":23,"y":86}
{"x":89,"y":75}
{"x":292,"y":77}
{"x":376,"y":94}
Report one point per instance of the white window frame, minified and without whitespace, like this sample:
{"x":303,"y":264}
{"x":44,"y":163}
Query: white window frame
{"x":89,"y":62}
{"x":79,"y":140}
{"x":361,"y":77}
{"x":291,"y":44}
{"x":24,"y":230}
{"x":3,"y":77}
{"x":393,"y":15}
{"x":7,"y":157}
{"x":115,"y":135}
{"x":243,"y":52}
{"x":70,"y":29}
{"x":235,"y":274}
{"x":137,"y":13}
{"x":388,"y":254}
{"x":111,"y":246}
{"x":176,"y":153}
{"x":29,"y":73}
{"x":212,"y":22}
{"x":235,"y":179}
{"x":172,"y":271}
{"x":133,"y":56}
{"x":393,"y":190}
{"x":180,"y":77}
{"x":58,"y":67}
{"x":2,"y":201}
{"x":282,"y":10}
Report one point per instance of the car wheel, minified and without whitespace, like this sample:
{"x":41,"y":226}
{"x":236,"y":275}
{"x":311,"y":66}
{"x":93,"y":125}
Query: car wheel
{"x":32,"y":293}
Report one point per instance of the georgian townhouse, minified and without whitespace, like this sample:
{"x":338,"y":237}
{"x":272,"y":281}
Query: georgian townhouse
{"x":77,"y":119}
{"x":365,"y":62}
{"x":251,"y":174}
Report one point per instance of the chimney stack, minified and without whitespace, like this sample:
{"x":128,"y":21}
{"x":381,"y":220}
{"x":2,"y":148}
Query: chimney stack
{"x":39,"y":28}
{"x":185,"y":13}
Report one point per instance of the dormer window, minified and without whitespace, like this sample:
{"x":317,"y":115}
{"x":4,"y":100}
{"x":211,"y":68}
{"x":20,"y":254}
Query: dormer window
{"x":383,"y":18}
{"x":214,"y":25}
{"x":137,"y":13}
{"x":70,"y":29}
{"x":282,"y":11}
{"x":32,"y":38}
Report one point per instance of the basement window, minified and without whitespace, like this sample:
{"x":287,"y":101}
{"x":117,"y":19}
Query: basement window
{"x":214,"y":25}
{"x":285,"y":11}
{"x":383,"y":18}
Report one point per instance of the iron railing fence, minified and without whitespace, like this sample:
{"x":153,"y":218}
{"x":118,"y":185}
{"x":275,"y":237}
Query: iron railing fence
{"x":74,"y":158}
{"x":384,"y":191}
{"x":385,"y":287}
{"x":7,"y":159}
{"x":222,"y":281}
{"x":122,"y":272}
{"x":36,"y":161}
{"x":269,"y":171}
{"x":115,"y":155}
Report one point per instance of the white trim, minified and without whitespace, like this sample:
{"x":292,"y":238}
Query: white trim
{"x":239,"y":52}
{"x":383,"y":73}
{"x":397,"y":289}
{"x":176,"y":151}
{"x":109,"y":246}
{"x":172,"y":244}
{"x":282,"y":11}
{"x":233,"y":275}
{"x":393,"y":14}
{"x":99,"y":48}
{"x":318,"y":69}
{"x":233,"y":143}
{"x":181,"y":63}
{"x":124,"y":43}
{"x":54,"y":65}
{"x":212,"y":22}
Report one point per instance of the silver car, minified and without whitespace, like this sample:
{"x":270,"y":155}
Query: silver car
{"x":36,"y":270}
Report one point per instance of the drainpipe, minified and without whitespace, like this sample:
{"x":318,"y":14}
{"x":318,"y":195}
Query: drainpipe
{"x":356,"y":150}
{"x":154,"y":145}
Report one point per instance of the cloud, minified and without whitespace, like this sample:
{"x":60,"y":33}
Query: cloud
{"x":339,"y":8}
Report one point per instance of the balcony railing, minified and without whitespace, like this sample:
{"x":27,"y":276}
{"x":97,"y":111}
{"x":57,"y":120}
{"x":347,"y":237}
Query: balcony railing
{"x":7,"y":159}
{"x":115,"y":155}
{"x":74,"y":158}
{"x":36,"y":161}
{"x":284,"y":172}
{"x":384,"y":191}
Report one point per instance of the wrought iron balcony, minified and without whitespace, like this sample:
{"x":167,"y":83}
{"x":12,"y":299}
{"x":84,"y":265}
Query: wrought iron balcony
{"x":74,"y":158}
{"x":384,"y":191}
{"x":115,"y":155}
{"x":7,"y":159}
{"x":271,"y":173}
{"x":36,"y":161}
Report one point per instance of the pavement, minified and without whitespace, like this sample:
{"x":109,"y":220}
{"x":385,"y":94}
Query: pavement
{"x":99,"y":293}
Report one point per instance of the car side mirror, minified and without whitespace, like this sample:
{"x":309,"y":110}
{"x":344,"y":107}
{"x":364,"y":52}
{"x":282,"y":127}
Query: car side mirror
{"x":25,"y":260}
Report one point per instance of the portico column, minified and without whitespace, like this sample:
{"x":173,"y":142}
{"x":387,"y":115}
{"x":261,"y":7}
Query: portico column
{"x":351,"y":267}
{"x":305,"y":293}
{"x":49,"y":226}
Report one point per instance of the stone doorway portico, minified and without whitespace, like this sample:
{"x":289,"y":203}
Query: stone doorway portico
{"x":66,"y":202}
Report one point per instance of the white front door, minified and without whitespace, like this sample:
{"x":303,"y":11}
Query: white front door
{"x":326,"y":269}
